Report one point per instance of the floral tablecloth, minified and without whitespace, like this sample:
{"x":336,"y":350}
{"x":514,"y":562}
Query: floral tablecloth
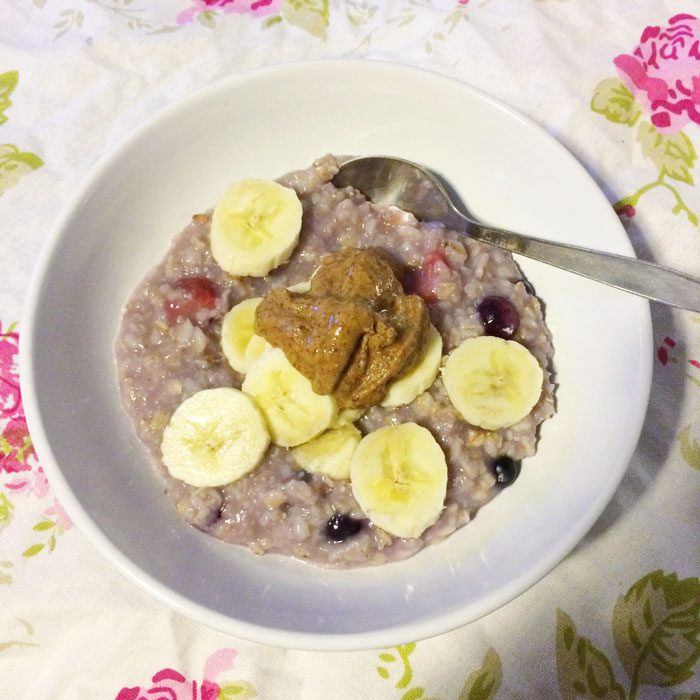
{"x":618,"y":82}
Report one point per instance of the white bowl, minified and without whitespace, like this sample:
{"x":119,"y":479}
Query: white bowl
{"x":262,"y":124}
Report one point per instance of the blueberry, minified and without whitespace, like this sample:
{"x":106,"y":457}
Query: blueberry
{"x":506,"y":471}
{"x":498,"y":316}
{"x":340,"y":526}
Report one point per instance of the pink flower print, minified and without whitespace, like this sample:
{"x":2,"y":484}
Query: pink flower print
{"x":257,"y":8}
{"x":219,"y":661}
{"x":129,"y":694}
{"x":626,"y":210}
{"x":10,"y":397}
{"x":16,"y":449}
{"x":662,"y":353}
{"x":40,"y":487}
{"x":169,"y":684}
{"x":210,"y":690}
{"x":34,"y":483}
{"x":664,"y":356}
{"x":56,"y":513}
{"x":663,"y":72}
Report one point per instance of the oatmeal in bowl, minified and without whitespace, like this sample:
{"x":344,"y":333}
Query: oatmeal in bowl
{"x":322,"y":377}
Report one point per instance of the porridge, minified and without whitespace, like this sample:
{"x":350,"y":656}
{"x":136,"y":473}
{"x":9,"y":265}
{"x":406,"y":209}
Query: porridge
{"x":389,"y":336}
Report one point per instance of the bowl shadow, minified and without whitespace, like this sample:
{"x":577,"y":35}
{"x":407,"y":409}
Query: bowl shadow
{"x":663,"y":417}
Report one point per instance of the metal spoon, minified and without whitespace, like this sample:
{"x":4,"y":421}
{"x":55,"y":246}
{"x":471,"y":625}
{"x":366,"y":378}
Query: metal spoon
{"x":387,"y":180}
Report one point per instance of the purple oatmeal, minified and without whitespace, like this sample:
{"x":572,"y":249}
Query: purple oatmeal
{"x":169,"y":348}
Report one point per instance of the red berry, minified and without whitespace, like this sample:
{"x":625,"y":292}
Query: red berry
{"x":424,"y":281}
{"x":190,"y":295}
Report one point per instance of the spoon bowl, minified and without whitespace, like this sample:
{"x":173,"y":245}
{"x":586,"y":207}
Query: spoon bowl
{"x":388,"y":180}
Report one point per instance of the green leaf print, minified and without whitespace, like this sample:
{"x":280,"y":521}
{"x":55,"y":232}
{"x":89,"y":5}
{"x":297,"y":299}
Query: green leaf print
{"x":69,"y":20}
{"x":405,"y":650}
{"x":5,"y":577}
{"x":673,"y":154}
{"x":413,"y":694}
{"x":615,"y":102}
{"x":404,"y":681}
{"x":27,"y":631}
{"x":8,"y":82}
{"x":655,"y":629}
{"x":690,"y":449}
{"x":241,"y":690}
{"x":311,"y":15}
{"x":686,"y":696}
{"x":483,"y":684}
{"x":679,"y":207}
{"x":15,"y":164}
{"x":6,"y":511}
{"x":207,"y":19}
{"x":33,"y":550}
{"x":271,"y":21}
{"x":583,"y":670}
{"x":359,"y":12}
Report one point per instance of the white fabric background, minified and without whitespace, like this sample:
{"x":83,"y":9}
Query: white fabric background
{"x":93,"y":632}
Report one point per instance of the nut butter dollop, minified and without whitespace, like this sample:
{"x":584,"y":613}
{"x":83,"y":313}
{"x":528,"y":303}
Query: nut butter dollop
{"x":353,"y":331}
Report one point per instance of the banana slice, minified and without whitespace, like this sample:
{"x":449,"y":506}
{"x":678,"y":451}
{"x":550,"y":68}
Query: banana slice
{"x":255,"y":227}
{"x":346,"y":416}
{"x":214,"y":437}
{"x":399,"y":478}
{"x":239,"y":342}
{"x":493,"y":383}
{"x":293,"y":411}
{"x":300,"y":287}
{"x":330,"y":453}
{"x":420,"y":377}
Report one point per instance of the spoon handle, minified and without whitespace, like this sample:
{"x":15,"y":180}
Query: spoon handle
{"x":637,"y":276}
